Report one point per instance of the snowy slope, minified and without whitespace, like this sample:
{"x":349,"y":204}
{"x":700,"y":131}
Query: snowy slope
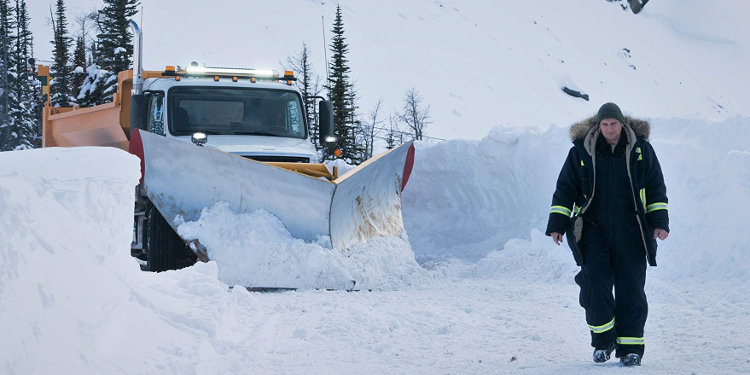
{"x":479,"y":64}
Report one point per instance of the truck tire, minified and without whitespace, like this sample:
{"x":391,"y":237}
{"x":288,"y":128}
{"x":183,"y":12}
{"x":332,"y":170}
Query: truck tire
{"x":165,"y":250}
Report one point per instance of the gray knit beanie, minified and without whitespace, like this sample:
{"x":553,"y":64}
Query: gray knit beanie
{"x":610,"y":110}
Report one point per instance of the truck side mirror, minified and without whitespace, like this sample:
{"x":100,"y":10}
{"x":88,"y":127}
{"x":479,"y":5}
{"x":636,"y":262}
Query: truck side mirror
{"x":138,"y":112}
{"x":327,"y":136}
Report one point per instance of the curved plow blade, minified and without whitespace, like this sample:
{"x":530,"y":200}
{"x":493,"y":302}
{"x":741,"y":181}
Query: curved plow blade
{"x":183,"y":179}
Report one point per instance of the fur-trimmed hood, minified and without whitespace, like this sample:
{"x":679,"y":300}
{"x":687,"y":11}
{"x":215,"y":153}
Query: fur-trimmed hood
{"x":580,"y":129}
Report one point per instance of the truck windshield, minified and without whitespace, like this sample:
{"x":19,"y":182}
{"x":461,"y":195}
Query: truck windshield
{"x":241,"y":111}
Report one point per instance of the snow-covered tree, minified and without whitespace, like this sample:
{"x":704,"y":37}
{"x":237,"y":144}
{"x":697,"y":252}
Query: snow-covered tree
{"x":115,"y":47}
{"x":343,"y":96}
{"x":79,"y":66}
{"x":7,"y":71}
{"x":23,"y":99}
{"x":92,"y":90}
{"x":61,"y":86}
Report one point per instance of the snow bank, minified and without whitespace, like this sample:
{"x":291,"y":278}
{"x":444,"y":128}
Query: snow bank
{"x":467,"y":199}
{"x":73,"y":300}
{"x":255,"y":250}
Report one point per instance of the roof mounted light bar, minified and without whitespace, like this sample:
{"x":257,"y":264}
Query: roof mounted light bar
{"x":234,"y":72}
{"x":200,"y":71}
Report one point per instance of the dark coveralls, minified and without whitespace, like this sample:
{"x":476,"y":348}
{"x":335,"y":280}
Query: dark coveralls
{"x":613,"y":238}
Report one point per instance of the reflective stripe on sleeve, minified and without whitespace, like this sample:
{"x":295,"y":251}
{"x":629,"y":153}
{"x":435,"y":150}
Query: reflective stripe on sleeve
{"x":603,"y":328}
{"x":643,"y":198}
{"x":561,"y":210}
{"x":630,"y":341}
{"x":657,"y":206}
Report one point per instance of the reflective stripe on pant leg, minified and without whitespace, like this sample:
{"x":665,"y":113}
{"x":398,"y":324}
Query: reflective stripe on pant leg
{"x":630,"y":341}
{"x":603,"y":328}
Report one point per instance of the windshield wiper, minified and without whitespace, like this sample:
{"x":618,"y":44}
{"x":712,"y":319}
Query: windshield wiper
{"x":258,"y":133}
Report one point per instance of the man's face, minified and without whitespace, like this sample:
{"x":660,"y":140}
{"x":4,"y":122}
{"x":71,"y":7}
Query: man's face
{"x":611,"y":129}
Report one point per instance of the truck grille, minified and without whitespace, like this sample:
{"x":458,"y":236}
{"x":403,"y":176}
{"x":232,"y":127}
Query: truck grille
{"x":278,"y":159}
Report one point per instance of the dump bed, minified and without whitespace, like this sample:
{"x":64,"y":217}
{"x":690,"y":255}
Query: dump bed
{"x":103,"y":125}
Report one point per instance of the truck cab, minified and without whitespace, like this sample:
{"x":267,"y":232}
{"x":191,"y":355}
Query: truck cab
{"x":247,"y":112}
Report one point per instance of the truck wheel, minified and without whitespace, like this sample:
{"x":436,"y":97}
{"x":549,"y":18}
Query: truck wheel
{"x":165,"y":250}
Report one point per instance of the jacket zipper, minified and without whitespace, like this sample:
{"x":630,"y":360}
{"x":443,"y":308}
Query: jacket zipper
{"x":635,"y":203}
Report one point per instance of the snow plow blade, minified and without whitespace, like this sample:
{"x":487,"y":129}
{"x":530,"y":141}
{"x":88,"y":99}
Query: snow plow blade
{"x":181,"y":179}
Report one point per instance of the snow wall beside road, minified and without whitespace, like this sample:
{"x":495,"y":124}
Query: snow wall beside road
{"x":466,"y":199}
{"x":72,"y":299}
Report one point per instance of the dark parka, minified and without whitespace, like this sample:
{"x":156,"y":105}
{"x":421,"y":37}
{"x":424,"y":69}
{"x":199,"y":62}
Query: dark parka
{"x":576,"y":185}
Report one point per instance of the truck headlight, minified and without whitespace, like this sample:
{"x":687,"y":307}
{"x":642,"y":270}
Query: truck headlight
{"x":199,"y":138}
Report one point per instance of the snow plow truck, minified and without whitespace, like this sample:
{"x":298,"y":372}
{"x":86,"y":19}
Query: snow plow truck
{"x":208,"y":135}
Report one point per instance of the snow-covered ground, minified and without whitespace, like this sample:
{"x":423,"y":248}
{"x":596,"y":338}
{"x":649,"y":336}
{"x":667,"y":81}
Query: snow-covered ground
{"x":496,"y":296}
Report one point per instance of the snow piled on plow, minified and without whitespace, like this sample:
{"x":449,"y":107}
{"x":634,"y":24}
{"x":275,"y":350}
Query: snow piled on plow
{"x":256,"y":250}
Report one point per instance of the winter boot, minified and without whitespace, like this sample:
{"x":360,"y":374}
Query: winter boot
{"x":635,"y":6}
{"x":630,"y":360}
{"x":602,"y":355}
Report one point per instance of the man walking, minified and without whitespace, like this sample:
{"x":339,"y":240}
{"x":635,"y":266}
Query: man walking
{"x":613,"y":185}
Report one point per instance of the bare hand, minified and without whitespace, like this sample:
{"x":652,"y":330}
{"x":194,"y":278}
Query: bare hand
{"x":557,"y":237}
{"x":660,"y":234}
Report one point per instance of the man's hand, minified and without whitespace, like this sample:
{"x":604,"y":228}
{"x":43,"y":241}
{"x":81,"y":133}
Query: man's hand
{"x":557,"y":237}
{"x":658,"y":233}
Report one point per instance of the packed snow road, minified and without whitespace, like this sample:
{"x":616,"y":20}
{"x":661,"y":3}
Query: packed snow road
{"x":490,"y":293}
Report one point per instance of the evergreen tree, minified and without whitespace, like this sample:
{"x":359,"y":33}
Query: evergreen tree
{"x":25,"y":101}
{"x":37,"y":104}
{"x":342,"y":95}
{"x":93,"y":54}
{"x":115,"y":47}
{"x":308,"y":84}
{"x":91,"y":91}
{"x":7,"y":72}
{"x":79,"y":66}
{"x":61,"y":86}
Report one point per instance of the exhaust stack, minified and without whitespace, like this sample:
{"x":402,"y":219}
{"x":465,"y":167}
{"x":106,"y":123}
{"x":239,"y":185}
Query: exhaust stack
{"x":137,"y":58}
